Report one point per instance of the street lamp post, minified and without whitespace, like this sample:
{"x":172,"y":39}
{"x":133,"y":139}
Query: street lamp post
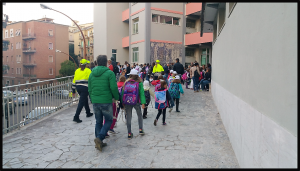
{"x":84,"y":48}
{"x":68,"y":55}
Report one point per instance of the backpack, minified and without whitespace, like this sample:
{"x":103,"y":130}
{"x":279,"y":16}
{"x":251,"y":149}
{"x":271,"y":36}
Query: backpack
{"x":196,"y":74}
{"x":157,"y":86}
{"x":201,"y":76}
{"x":161,"y":101}
{"x":141,"y":75}
{"x":131,"y":93}
{"x":170,"y":80}
{"x":116,"y":69}
{"x":147,"y":96}
{"x":146,"y":69}
{"x":120,"y":90}
{"x":184,"y":76}
{"x":174,"y":90}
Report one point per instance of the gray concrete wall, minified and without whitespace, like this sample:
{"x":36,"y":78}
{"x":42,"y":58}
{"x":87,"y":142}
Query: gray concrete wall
{"x":166,"y":32}
{"x":260,"y":110}
{"x":141,"y":27}
{"x":169,"y":6}
{"x":100,"y":29}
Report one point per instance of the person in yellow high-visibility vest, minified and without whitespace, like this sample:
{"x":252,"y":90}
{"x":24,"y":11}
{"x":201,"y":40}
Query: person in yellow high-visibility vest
{"x":157,"y":69}
{"x":80,"y":83}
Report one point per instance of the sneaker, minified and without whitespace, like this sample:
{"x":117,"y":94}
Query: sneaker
{"x":177,"y":111}
{"x":103,"y":145}
{"x":155,"y":122}
{"x":111,"y":131}
{"x":144,"y":117}
{"x":170,"y":109}
{"x":106,"y":136}
{"x":165,"y":123}
{"x":77,"y":120}
{"x":142,"y":132}
{"x":98,"y":144}
{"x":130,"y":136}
{"x":207,"y":89}
{"x":89,"y":115}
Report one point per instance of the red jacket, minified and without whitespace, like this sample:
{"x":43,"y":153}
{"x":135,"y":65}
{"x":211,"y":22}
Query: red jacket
{"x":120,"y":84}
{"x":111,"y":67}
{"x":154,"y":82}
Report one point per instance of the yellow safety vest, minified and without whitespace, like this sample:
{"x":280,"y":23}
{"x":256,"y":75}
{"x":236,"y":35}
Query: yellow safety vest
{"x":81,"y":78}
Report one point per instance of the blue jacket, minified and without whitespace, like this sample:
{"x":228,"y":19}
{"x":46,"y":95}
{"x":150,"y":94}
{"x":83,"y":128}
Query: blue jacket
{"x":180,"y":89}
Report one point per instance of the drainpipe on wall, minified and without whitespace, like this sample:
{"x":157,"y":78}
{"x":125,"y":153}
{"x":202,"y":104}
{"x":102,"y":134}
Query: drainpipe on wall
{"x":129,"y":57}
{"x":183,"y":34}
{"x":148,"y":32}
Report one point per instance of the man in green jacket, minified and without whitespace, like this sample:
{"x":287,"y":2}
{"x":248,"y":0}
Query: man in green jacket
{"x":102,"y":89}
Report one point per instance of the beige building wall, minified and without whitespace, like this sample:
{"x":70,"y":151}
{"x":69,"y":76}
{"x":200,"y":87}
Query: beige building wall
{"x":100,"y":29}
{"x":116,"y":31}
{"x":60,"y":44}
{"x":169,"y":6}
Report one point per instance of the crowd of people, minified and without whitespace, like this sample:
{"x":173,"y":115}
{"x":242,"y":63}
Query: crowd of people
{"x":112,"y":88}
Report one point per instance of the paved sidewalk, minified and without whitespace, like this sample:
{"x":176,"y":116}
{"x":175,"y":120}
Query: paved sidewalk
{"x":194,"y":138}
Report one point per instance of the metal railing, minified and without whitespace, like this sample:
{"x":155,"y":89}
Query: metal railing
{"x":29,"y":36}
{"x":29,"y":49}
{"x":28,"y":75}
{"x":32,"y":101}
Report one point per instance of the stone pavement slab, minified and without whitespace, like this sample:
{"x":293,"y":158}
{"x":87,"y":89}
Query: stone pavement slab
{"x":193,"y":138}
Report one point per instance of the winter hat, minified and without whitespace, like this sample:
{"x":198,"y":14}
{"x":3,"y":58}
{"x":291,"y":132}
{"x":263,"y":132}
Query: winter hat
{"x":133,"y":72}
{"x":177,"y":77}
{"x":146,"y":84}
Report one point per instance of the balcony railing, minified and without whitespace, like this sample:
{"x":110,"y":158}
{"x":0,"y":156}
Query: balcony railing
{"x":91,"y":34}
{"x":191,"y":8}
{"x":91,"y":44}
{"x":33,"y":101}
{"x":194,"y":38}
{"x":125,"y":15}
{"x":80,"y":38}
{"x":28,"y":36}
{"x":29,"y":64}
{"x":80,"y":47}
{"x":28,"y":75}
{"x":125,"y":41}
{"x":29,"y":50}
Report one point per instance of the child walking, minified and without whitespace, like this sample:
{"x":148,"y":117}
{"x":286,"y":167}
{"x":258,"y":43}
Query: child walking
{"x":148,"y":92}
{"x":162,"y":106}
{"x":175,"y":90}
{"x":132,"y":97}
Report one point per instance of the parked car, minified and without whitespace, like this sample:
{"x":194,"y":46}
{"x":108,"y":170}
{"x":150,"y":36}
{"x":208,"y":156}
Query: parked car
{"x":7,"y":93}
{"x":27,"y":91}
{"x":62,"y":93}
{"x":22,"y":98}
{"x":36,"y":113}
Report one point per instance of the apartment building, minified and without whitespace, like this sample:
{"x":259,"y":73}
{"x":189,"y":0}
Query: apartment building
{"x":87,"y":30}
{"x":145,"y":32}
{"x":256,"y":101}
{"x":31,"y":54}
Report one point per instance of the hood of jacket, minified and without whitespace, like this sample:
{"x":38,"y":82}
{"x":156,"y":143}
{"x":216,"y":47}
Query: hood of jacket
{"x":99,"y":70}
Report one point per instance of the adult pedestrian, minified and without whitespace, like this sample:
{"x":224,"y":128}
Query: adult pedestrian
{"x":178,"y":67}
{"x":157,"y":69}
{"x":127,"y":70}
{"x":149,"y":73}
{"x":110,"y":66}
{"x":92,"y":65}
{"x":206,"y":80}
{"x":195,"y":74}
{"x":103,"y":89}
{"x":166,"y":69}
{"x":80,"y":83}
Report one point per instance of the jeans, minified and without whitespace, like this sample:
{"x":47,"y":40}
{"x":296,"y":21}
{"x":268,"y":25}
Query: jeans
{"x":163,"y":111}
{"x":171,"y":103}
{"x":83,"y":100}
{"x":145,"y":110}
{"x":128,"y":110}
{"x":203,"y":83}
{"x":196,"y":82}
{"x":106,"y":110}
{"x":147,"y":77}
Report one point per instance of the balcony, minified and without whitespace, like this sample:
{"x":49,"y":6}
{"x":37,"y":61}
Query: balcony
{"x":194,"y":38}
{"x":91,"y":34}
{"x":29,"y":64}
{"x":191,"y":8}
{"x":125,"y":15}
{"x":80,"y":38}
{"x":125,"y":42}
{"x":29,"y":76}
{"x":91,"y":44}
{"x":30,"y":36}
{"x":29,"y":50}
{"x":80,"y":47}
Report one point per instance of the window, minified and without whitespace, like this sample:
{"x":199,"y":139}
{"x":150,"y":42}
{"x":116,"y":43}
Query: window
{"x":114,"y":54}
{"x":189,"y":52}
{"x":20,"y":71}
{"x":29,"y":31}
{"x":165,"y":19}
{"x":135,"y":54}
{"x":50,"y":45}
{"x":12,"y":70}
{"x":6,"y":33}
{"x":7,"y":82}
{"x":18,"y":45}
{"x":50,"y":32}
{"x":12,"y":58}
{"x":50,"y":58}
{"x":6,"y":58}
{"x":204,"y":56}
{"x":88,"y":33}
{"x":190,"y":23}
{"x":135,"y":25}
{"x":11,"y":32}
{"x":50,"y":71}
{"x":17,"y":70}
{"x":12,"y":46}
{"x":18,"y":58}
{"x":155,"y":18}
{"x":18,"y":32}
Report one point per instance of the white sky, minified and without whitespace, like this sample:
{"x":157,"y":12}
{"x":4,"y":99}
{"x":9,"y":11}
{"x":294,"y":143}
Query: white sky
{"x":82,"y":12}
